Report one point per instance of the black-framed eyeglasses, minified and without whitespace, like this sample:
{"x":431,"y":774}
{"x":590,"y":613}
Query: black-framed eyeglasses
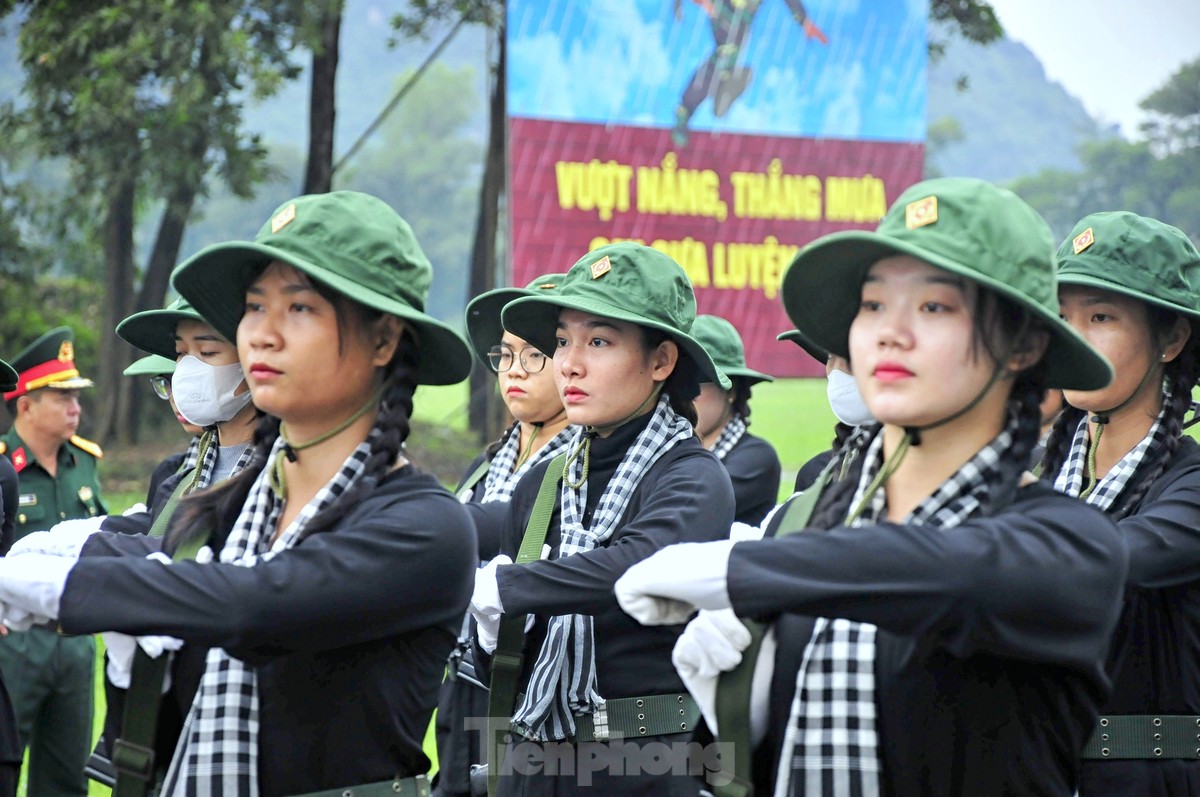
{"x":501,"y":357}
{"x":162,"y":386}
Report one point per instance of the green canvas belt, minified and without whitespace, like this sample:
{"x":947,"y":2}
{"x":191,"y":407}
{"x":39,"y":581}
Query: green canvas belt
{"x":1145,"y":736}
{"x":417,"y":786}
{"x":631,"y":717}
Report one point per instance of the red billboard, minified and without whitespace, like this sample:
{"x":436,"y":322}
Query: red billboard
{"x":730,"y":196}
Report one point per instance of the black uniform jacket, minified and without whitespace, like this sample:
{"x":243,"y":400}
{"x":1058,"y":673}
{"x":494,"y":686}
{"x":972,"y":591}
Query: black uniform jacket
{"x":1155,"y":656}
{"x":684,"y":497}
{"x":991,"y":646}
{"x":488,"y":518}
{"x":754,"y":472}
{"x":348,"y":631}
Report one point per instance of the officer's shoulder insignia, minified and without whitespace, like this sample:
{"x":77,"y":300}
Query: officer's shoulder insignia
{"x":19,"y":460}
{"x":88,"y":446}
{"x":921,"y":213}
{"x":1083,"y":240}
{"x":601,"y":267}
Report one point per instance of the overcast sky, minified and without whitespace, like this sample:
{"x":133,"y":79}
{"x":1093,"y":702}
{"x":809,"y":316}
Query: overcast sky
{"x":1109,"y":54}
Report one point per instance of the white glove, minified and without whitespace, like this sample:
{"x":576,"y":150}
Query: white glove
{"x":121,"y":647}
{"x":485,"y":599}
{"x":667,"y":587}
{"x":486,"y":606}
{"x":136,"y":509}
{"x":63,"y":539}
{"x":20,"y":620}
{"x":34,"y":583}
{"x":711,"y":644}
{"x":740,"y":532}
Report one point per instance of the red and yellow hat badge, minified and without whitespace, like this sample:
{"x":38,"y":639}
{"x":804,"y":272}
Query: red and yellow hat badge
{"x":47,"y":362}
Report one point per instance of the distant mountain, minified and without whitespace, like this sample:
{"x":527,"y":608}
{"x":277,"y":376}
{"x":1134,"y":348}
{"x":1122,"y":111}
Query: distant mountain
{"x":1015,"y":121}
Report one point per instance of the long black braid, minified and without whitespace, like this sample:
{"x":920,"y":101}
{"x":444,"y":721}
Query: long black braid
{"x":393,"y":426}
{"x":1025,"y":399}
{"x":1058,"y":442}
{"x":1181,"y":375}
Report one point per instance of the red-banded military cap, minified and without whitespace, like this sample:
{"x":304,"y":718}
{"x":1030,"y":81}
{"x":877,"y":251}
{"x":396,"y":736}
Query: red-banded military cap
{"x":47,"y":362}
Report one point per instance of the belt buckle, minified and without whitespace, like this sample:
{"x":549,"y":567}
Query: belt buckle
{"x":600,"y":724}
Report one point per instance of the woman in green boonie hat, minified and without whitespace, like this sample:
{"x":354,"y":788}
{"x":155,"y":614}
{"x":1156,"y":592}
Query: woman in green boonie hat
{"x":722,"y":418}
{"x":538,"y":434}
{"x":636,"y":479}
{"x":962,"y":609}
{"x":341,"y":572}
{"x":1130,"y":285}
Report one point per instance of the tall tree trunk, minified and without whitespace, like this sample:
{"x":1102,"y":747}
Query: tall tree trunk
{"x":118,"y":292}
{"x":318,"y":177}
{"x":485,"y":410}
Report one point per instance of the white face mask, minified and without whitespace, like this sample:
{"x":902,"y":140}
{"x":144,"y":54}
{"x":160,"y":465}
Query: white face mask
{"x":204,"y":394}
{"x":844,"y":398}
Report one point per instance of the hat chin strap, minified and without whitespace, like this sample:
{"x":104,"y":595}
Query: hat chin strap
{"x":1101,"y":419}
{"x":278,"y":477}
{"x":912,"y":437}
{"x":589,"y":432}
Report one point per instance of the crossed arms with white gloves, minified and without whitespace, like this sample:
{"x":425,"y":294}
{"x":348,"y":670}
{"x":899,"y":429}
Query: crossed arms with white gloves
{"x":33,"y":577}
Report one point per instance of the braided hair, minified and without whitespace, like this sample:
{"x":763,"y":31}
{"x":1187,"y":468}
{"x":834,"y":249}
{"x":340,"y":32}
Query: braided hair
{"x":1001,"y":329}
{"x":1180,"y":376}
{"x":216,"y":509}
{"x":741,"y":397}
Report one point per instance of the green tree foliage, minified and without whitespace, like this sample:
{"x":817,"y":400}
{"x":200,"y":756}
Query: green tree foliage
{"x":425,"y":163}
{"x":144,"y":99}
{"x":1158,"y":177}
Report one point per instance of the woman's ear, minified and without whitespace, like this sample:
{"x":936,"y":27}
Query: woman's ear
{"x":663,"y":360}
{"x":386,"y":339}
{"x":1176,"y":339}
{"x":1027,"y":354}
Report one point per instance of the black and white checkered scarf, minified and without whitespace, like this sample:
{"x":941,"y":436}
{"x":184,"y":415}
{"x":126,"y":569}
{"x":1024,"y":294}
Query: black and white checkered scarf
{"x":1073,"y":474}
{"x":211,"y":450}
{"x":563,"y":680}
{"x":501,"y":476}
{"x":831,"y":747}
{"x":730,"y":436}
{"x":218,"y":751}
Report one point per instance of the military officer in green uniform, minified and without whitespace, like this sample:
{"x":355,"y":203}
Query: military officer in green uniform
{"x":49,"y":676}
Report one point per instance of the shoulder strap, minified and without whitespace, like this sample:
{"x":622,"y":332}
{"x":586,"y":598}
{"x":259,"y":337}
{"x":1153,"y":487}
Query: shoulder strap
{"x":733,"y":687}
{"x":475,"y":477}
{"x":509,"y":658}
{"x":133,"y":753}
{"x":159,"y":527}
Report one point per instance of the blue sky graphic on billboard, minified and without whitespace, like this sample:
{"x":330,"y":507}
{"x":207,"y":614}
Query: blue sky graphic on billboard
{"x":823,"y":69}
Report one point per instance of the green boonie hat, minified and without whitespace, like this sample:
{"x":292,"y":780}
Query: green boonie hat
{"x":626,"y":282}
{"x":48,"y":362}
{"x":483,"y":312}
{"x":968,"y":227}
{"x":8,"y":377}
{"x":154,"y":330}
{"x":724,"y":345}
{"x":150,"y":365}
{"x":812,"y":349}
{"x":1134,"y":256}
{"x":352,"y":242}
